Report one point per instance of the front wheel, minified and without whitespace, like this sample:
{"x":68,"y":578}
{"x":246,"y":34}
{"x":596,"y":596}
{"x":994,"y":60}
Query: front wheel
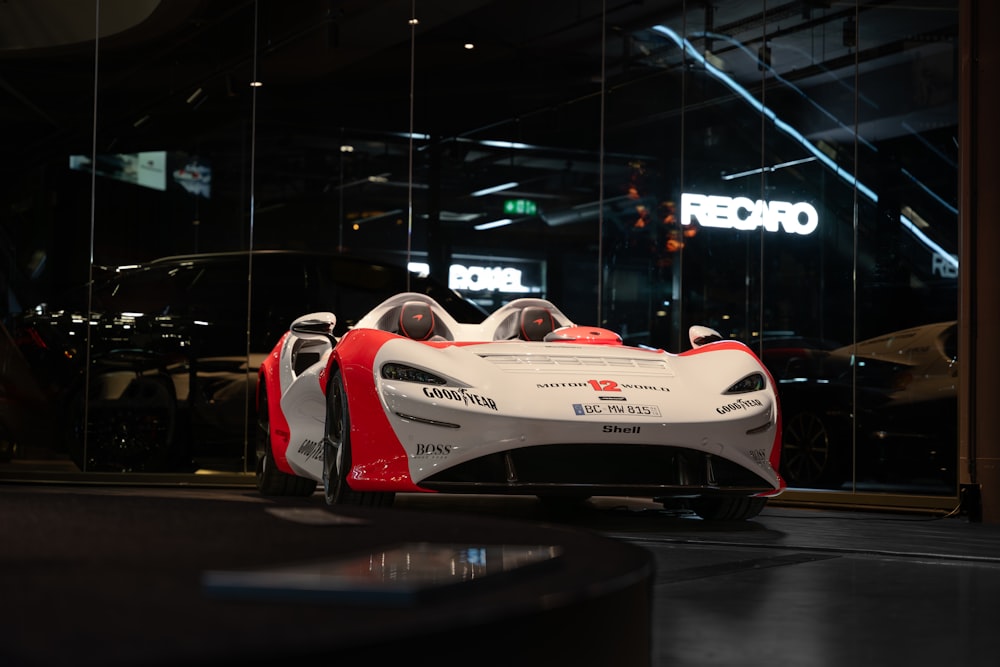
{"x":337,"y":453}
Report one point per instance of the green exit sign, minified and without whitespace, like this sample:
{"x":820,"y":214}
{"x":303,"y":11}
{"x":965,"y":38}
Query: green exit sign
{"x":520,"y":207}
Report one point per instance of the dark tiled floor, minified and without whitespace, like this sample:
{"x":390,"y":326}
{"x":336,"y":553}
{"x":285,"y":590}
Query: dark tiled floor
{"x":798,"y":587}
{"x":804,"y":587}
{"x":809,"y":587}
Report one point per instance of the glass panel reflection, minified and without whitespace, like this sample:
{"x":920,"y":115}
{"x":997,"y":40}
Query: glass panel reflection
{"x":782,"y":172}
{"x":904,"y":360}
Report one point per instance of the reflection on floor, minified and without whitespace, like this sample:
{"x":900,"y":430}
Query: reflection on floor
{"x":811,"y":587}
{"x":795,"y":586}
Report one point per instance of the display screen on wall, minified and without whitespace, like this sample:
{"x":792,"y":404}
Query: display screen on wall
{"x":150,"y":169}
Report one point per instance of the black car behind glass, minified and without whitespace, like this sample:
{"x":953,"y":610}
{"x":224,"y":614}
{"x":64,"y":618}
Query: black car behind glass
{"x":175,"y":344}
{"x":882,"y":413}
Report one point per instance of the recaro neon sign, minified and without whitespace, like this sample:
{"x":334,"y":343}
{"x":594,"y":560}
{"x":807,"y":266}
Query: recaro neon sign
{"x":745,"y":214}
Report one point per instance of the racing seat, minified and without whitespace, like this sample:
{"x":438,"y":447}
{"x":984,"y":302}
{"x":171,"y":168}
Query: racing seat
{"x":416,"y":320}
{"x":536,"y":323}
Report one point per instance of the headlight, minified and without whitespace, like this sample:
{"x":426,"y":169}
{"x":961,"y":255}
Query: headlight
{"x":404,"y":373}
{"x":752,"y":382}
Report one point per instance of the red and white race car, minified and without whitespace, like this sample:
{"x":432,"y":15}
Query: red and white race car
{"x":525,"y":402}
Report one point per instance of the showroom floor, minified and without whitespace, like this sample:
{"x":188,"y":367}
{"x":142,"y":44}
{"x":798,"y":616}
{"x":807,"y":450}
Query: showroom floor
{"x":117,"y":576}
{"x":812,"y":587}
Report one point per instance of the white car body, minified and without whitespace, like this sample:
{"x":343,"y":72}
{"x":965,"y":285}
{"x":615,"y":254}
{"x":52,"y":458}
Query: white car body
{"x":562,"y":416}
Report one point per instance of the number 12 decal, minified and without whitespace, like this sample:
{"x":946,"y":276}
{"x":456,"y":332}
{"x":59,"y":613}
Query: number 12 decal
{"x":604,"y":385}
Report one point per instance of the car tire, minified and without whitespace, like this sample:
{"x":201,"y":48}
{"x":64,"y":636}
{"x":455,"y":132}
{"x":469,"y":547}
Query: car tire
{"x":739,"y":508}
{"x":809,"y":458}
{"x":337,"y":453}
{"x":270,"y":480}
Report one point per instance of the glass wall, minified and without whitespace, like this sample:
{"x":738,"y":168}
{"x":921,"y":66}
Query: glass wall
{"x":180,"y":177}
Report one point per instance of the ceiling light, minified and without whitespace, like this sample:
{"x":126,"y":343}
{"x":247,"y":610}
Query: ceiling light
{"x":917,"y":220}
{"x":378,"y":216}
{"x":256,"y":84}
{"x":468,"y":46}
{"x":453,"y":216}
{"x":495,"y":188}
{"x":496,"y":223}
{"x":504,"y":144}
{"x":773,"y":168}
{"x":422,"y":269}
{"x":715,"y":60}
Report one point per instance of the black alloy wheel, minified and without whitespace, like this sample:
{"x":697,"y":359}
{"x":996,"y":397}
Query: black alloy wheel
{"x":337,"y":453}
{"x":808,"y":459}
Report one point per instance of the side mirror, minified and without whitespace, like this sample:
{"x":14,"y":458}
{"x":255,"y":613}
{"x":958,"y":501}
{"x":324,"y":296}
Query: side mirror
{"x":315,"y":325}
{"x":700,"y":335}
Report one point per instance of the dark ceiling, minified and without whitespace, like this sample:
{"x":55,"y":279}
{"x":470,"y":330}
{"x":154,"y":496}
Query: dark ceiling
{"x":357,"y":71}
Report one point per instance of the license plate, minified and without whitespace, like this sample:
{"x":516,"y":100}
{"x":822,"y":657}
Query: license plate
{"x":616,"y":410}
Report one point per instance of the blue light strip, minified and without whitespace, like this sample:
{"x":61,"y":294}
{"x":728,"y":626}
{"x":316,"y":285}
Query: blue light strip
{"x":791,"y":86}
{"x":847,"y":177}
{"x":733,"y":85}
{"x":930,"y":193}
{"x":923,"y":238}
{"x":771,"y":169}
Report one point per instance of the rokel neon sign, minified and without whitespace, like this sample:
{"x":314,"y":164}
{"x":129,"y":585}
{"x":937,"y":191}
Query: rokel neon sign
{"x":745,"y":214}
{"x":481,"y":278}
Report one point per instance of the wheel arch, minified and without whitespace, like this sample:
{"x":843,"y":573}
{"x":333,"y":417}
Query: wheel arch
{"x":269,"y":382}
{"x":378,"y":460}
